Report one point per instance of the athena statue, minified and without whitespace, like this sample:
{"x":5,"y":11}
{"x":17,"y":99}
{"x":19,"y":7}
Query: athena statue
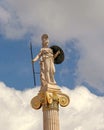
{"x":47,"y":68}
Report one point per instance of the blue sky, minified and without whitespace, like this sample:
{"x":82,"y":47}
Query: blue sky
{"x":77,"y":27}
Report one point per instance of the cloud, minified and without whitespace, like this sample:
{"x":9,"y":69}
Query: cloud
{"x":4,"y":15}
{"x":90,"y":65}
{"x":16,"y":112}
{"x":63,"y":21}
{"x":85,"y":111}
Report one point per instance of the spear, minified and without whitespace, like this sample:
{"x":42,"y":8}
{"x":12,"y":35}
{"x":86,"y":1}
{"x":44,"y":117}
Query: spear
{"x":32,"y":64}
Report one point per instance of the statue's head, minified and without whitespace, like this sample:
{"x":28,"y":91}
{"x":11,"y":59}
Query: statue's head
{"x":45,"y":40}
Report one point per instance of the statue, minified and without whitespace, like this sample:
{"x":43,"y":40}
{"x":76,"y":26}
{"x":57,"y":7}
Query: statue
{"x":46,"y":56}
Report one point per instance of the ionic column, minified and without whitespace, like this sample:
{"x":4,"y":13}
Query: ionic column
{"x":49,"y":101}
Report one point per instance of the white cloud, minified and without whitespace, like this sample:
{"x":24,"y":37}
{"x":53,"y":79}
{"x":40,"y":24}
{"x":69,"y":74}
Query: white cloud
{"x":85,"y":111}
{"x":90,"y":65}
{"x":63,"y":20}
{"x":4,"y":15}
{"x":16,"y":112}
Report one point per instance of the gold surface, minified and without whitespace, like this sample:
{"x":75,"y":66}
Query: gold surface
{"x":35,"y":103}
{"x":64,"y":100}
{"x":53,"y":106}
{"x":49,"y":97}
{"x":50,"y":100}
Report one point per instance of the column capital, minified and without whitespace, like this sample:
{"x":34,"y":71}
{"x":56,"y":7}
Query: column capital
{"x":50,"y":100}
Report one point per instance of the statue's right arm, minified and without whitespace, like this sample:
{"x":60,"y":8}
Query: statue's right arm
{"x":37,"y":57}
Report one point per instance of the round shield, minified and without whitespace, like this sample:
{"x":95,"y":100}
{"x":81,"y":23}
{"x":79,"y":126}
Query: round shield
{"x":60,"y":57}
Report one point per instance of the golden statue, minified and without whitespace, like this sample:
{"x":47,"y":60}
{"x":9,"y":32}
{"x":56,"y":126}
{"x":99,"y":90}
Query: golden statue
{"x":46,"y":56}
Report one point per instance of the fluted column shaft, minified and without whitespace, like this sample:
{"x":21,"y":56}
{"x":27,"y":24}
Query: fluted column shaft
{"x":51,"y":116}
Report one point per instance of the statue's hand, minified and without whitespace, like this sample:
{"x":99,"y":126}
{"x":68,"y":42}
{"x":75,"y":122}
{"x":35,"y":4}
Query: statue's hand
{"x":32,"y":61}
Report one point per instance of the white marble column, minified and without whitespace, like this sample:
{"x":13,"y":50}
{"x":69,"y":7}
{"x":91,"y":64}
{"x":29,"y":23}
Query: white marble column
{"x":51,"y":117}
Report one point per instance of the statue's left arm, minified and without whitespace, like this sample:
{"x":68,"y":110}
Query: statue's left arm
{"x":57,"y":53}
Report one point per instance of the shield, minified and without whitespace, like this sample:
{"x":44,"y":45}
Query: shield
{"x":60,"y":58}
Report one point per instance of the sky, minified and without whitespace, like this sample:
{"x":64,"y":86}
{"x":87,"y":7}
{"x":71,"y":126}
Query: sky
{"x":77,"y":26}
